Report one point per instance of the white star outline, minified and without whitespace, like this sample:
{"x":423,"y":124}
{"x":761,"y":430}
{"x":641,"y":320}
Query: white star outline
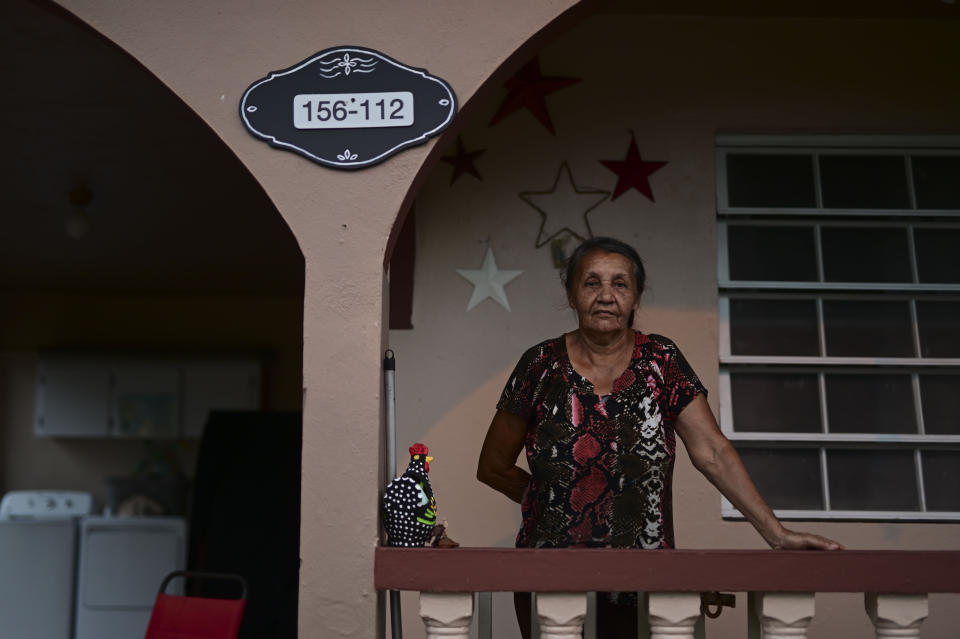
{"x":565,"y":207}
{"x":488,"y":281}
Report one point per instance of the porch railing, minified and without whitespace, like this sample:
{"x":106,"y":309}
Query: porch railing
{"x":782,"y":585}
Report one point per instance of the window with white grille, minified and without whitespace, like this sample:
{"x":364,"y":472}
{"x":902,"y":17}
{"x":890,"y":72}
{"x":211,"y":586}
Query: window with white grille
{"x":839,"y":289}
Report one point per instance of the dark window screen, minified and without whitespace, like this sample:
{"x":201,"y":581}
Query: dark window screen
{"x":939,"y":324}
{"x":941,"y":479}
{"x":858,"y":254}
{"x":773,"y":327}
{"x":770,"y":180}
{"x":937,"y":251}
{"x":868,"y":328}
{"x":864,"y":182}
{"x":940,"y":398}
{"x":782,"y":402}
{"x":787,"y":478}
{"x":784,"y":253}
{"x":936,"y":180}
{"x":872,"y":480}
{"x":870,"y":404}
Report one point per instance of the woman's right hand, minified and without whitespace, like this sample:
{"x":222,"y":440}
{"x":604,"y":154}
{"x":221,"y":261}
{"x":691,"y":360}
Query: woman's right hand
{"x":497,"y":466}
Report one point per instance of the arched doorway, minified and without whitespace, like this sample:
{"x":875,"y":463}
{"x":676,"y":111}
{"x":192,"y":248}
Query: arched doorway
{"x":132,"y":233}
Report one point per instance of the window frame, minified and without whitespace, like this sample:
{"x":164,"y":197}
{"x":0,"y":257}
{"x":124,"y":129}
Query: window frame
{"x":818,"y":218}
{"x":831,"y":145}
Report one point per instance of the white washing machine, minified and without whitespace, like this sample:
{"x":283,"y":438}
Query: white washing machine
{"x":122,"y":562}
{"x":38,"y":556}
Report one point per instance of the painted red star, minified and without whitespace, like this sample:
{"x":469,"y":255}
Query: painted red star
{"x":527,"y":89}
{"x":462,"y":161}
{"x":633,"y":172}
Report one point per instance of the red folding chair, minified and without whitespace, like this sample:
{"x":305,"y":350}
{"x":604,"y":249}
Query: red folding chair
{"x":184,"y":617}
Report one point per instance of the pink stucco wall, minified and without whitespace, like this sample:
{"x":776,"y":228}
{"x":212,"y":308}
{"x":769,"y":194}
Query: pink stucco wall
{"x":675,"y":82}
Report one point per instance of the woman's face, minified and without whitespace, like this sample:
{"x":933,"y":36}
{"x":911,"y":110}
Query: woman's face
{"x":604,"y":292}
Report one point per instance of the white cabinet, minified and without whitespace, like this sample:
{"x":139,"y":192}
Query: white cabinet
{"x":80,"y":396}
{"x":73,"y":397}
{"x":146,"y":400}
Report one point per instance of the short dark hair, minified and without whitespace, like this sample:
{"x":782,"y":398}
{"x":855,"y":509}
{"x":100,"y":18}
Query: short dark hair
{"x":606,"y":245}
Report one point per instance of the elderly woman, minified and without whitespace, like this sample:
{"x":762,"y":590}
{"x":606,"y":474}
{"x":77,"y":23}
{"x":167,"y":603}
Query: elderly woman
{"x":597,"y":410}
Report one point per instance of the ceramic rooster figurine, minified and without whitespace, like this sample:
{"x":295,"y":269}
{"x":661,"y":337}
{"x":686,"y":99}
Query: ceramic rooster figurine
{"x":410,"y":510}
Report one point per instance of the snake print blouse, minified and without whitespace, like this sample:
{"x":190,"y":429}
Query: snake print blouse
{"x":601,"y":466}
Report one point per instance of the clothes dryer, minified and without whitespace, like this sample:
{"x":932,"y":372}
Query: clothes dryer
{"x":122,"y":562}
{"x":38,"y":556}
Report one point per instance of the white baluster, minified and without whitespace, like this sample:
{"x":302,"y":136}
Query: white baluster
{"x":561,"y":614}
{"x":673,"y":615}
{"x":446,"y":614}
{"x":784,"y":615}
{"x":896,"y":615}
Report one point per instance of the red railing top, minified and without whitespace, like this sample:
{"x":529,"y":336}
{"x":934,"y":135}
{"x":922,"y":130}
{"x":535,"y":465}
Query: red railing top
{"x":586,"y":570}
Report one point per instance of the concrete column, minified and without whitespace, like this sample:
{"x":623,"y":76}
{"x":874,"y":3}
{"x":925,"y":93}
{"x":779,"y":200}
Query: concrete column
{"x":561,"y":614}
{"x":783,"y":615}
{"x":673,"y":615}
{"x":446,"y":614}
{"x":896,"y":615}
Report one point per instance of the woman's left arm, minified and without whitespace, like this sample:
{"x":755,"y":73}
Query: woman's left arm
{"x":714,"y":456}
